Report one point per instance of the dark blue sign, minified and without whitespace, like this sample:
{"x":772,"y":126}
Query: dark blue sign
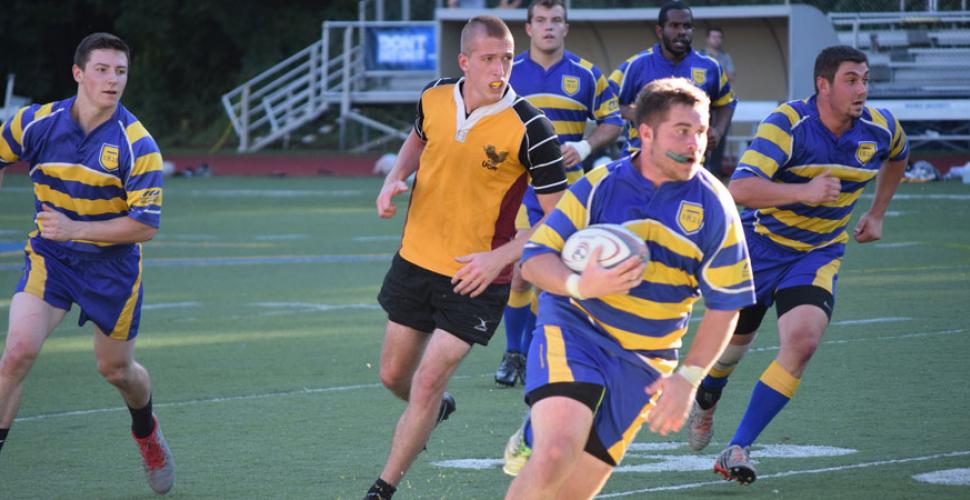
{"x":411,"y":48}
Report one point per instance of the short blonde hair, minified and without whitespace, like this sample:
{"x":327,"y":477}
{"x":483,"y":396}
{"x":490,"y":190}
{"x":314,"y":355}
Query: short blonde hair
{"x":491,"y":25}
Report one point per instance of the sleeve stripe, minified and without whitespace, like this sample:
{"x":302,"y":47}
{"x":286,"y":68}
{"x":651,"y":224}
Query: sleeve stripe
{"x":547,"y":186}
{"x":546,"y":164}
{"x":151,"y":162}
{"x":765,"y":164}
{"x":136,"y":131}
{"x":788,"y":111}
{"x":16,"y":126}
{"x":534,"y":118}
{"x":6,"y":153}
{"x":776,"y":135}
{"x":551,"y":137}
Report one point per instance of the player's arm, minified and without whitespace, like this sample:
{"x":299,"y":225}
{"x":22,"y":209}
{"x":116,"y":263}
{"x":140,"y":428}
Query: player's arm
{"x":869,"y":227}
{"x":405,"y":164}
{"x":720,"y":120}
{"x":755,"y":192}
{"x":711,"y":338}
{"x":58,"y":227}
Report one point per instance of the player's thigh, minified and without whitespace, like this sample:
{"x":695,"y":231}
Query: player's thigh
{"x":441,"y":358}
{"x":31,"y":321}
{"x":587,"y":484}
{"x":112,"y":353}
{"x":402,"y":348}
{"x":558,"y":422}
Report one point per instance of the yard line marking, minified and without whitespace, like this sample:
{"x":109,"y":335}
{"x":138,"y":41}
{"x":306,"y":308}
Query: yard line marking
{"x":298,"y":307}
{"x":890,"y":319}
{"x":862,"y":465}
{"x":383,"y":237}
{"x":294,"y":392}
{"x":170,"y":305}
{"x":898,"y":244}
{"x":898,"y":196}
{"x":247,"y":397}
{"x":887,"y":337}
{"x":281,"y":237}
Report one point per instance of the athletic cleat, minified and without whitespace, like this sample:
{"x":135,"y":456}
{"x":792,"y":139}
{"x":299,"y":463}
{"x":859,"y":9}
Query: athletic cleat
{"x":517,"y":453}
{"x":520,"y":367}
{"x":156,"y":458}
{"x":700,"y":426}
{"x":448,"y":407}
{"x":734,"y":463}
{"x":507,"y":370}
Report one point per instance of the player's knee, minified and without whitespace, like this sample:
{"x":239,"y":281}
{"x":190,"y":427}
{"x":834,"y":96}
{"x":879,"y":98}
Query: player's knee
{"x":17,"y":359}
{"x":394,"y":379}
{"x":802,"y":344}
{"x":428,"y":385}
{"x":117,"y":374}
{"x":557,"y":453}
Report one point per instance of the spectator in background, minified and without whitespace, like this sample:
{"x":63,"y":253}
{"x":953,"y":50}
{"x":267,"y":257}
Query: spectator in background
{"x":715,"y":36}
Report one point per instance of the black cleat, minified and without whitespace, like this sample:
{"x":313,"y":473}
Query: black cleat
{"x":508,"y":369}
{"x":448,"y":407}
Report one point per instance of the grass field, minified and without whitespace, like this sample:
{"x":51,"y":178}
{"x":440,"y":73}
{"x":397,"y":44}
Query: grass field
{"x":262,"y":333}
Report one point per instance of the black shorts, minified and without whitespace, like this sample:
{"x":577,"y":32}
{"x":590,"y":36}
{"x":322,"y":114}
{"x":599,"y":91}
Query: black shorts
{"x":423,"y":300}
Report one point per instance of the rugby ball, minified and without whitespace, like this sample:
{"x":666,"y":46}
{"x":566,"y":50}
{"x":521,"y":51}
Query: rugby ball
{"x":618,"y":243}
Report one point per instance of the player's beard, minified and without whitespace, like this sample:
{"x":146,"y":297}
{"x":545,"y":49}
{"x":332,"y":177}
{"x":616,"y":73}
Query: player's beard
{"x":669,"y":45}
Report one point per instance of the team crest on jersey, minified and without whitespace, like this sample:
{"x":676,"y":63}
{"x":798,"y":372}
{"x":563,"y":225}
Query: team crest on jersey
{"x":690,"y":217}
{"x":494,"y":157}
{"x":109,"y":157}
{"x":699,"y":75}
{"x":570,"y":85}
{"x":865,"y":152}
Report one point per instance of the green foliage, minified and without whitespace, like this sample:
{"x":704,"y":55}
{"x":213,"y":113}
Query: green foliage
{"x":185,"y":54}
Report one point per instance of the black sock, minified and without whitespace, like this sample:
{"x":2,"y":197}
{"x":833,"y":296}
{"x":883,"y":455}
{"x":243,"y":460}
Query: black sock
{"x":142,"y":423}
{"x":3,"y":437}
{"x":381,"y":490}
{"x":707,"y":398}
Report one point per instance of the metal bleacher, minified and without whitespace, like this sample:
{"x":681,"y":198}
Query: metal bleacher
{"x":919,"y":69}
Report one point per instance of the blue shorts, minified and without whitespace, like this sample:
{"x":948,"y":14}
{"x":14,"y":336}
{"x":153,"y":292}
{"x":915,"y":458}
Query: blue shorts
{"x":776,"y":268}
{"x":560,"y":355}
{"x":107,"y":287}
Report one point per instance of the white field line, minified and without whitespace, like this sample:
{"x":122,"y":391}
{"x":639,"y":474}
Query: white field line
{"x":319,"y":390}
{"x":891,"y":319}
{"x":170,"y":305}
{"x":888,"y":337}
{"x":861,"y":465}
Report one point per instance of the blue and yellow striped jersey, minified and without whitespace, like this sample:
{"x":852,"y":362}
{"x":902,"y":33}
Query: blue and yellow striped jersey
{"x":793,"y":146}
{"x":569,"y":92}
{"x":649,"y":65}
{"x":696,"y":244}
{"x":114,"y":171}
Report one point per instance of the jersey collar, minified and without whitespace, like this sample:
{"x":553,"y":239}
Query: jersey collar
{"x":463,"y":124}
